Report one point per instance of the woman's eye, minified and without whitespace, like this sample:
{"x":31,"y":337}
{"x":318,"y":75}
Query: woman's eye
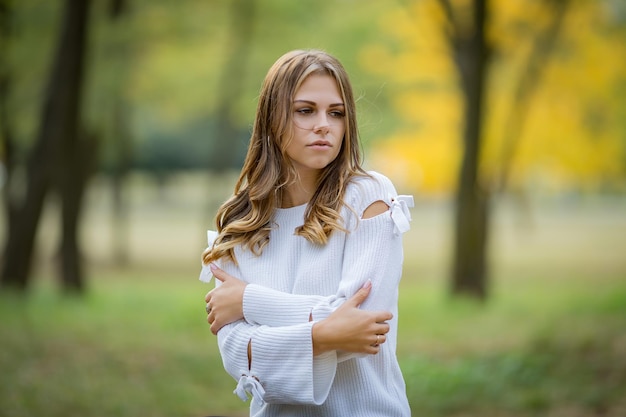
{"x":305,"y":110}
{"x":337,"y":114}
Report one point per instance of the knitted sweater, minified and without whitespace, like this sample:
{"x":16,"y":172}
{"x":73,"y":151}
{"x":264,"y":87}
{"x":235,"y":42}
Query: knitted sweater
{"x":294,"y":280}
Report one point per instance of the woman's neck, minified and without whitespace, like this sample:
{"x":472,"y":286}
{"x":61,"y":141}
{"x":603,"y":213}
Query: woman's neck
{"x":295,"y":199}
{"x":299,"y":192}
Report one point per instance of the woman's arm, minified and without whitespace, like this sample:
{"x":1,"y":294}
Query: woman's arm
{"x":351,"y":329}
{"x":373,"y":252}
{"x":226,"y":303}
{"x":297,"y":364}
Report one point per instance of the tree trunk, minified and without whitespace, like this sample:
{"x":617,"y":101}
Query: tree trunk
{"x":58,"y":129}
{"x":472,"y":216}
{"x":6,"y":131}
{"x":79,"y":165}
{"x":7,"y":144}
{"x":472,"y":201}
{"x":121,"y":138}
{"x":78,"y":155}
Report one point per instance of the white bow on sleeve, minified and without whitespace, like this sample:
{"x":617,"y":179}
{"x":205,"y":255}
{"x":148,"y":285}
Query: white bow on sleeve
{"x":400,"y":213}
{"x":205,"y":273}
{"x":248,"y":384}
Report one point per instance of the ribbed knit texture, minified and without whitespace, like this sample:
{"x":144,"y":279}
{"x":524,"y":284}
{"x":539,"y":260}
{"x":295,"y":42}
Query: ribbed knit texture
{"x":293,"y":279}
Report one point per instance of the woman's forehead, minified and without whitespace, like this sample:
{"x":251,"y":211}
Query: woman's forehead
{"x":318,"y":87}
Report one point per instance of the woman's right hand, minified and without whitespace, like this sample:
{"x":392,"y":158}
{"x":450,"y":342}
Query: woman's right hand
{"x":224,"y":302}
{"x":351,"y":329}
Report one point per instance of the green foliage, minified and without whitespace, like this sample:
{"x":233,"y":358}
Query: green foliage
{"x":162,"y":63}
{"x":191,"y":147}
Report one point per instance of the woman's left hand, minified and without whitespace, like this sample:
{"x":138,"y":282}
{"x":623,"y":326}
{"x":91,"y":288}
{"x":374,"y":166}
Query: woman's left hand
{"x":224,"y":303}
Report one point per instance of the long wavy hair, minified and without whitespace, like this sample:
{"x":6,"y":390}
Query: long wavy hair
{"x":246,"y":218}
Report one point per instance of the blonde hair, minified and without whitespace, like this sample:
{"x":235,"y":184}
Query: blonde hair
{"x":245,"y":218}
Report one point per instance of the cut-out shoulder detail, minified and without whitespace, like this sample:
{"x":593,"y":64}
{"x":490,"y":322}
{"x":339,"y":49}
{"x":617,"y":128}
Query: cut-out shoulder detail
{"x":374,"y":209}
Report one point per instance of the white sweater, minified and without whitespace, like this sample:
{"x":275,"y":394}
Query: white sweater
{"x":294,"y":279}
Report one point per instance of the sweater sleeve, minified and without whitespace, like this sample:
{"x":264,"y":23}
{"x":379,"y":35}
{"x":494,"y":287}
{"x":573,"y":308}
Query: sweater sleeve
{"x":264,"y":305}
{"x":373,"y":251}
{"x":281,"y":367}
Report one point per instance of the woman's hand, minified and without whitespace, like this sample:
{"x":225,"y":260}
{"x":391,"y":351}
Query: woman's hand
{"x":224,"y":303}
{"x":351,"y":329}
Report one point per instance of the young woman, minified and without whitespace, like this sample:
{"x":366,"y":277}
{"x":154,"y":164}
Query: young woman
{"x":308,"y":256}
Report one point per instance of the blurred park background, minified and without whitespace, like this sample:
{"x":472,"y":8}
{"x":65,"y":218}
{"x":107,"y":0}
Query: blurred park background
{"x":123,"y":124}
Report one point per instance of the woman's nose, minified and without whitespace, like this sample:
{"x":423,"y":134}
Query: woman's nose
{"x":322,"y":123}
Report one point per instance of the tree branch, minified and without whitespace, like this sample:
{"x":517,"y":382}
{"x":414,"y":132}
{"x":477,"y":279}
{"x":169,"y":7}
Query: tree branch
{"x":528,"y":82}
{"x":452,"y":29}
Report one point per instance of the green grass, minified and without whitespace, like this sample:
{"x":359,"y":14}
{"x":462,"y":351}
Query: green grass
{"x":133,"y":346}
{"x":550,"y":341}
{"x":137,"y":344}
{"x":517,"y":356}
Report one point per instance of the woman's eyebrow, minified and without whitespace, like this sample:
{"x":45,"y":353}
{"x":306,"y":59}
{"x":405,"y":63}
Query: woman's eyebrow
{"x":314,"y":103}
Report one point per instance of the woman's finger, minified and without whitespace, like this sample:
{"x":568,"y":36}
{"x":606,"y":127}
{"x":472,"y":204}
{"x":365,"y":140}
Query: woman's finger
{"x":218,"y":273}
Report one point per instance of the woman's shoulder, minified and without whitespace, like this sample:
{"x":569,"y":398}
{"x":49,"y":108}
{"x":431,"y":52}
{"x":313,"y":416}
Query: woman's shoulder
{"x":365,"y":189}
{"x":372,"y":181}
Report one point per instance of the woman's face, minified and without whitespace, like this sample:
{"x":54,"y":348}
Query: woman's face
{"x":319,"y":124}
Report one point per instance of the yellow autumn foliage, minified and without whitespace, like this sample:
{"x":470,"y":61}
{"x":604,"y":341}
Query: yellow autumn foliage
{"x":572,"y":137}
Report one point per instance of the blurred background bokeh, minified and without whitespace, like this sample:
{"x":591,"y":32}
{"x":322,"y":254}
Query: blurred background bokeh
{"x":123,"y":124}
